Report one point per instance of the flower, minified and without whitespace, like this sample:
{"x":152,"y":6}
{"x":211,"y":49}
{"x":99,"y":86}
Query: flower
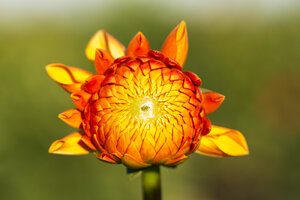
{"x":141,"y":108}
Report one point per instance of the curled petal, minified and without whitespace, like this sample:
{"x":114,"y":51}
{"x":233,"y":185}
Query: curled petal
{"x":103,"y":40}
{"x":223,"y":142}
{"x":71,"y":117}
{"x":70,"y":78}
{"x":212,"y":101}
{"x":103,"y":60}
{"x":176,"y":44}
{"x":196,"y":80}
{"x":69,"y":145}
{"x":80,"y":99}
{"x":138,"y":46}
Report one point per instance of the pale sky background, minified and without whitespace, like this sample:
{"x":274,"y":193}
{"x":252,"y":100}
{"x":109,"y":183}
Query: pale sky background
{"x":22,"y":10}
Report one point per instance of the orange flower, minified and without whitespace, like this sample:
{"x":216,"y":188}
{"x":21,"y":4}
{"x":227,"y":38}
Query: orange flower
{"x":140,"y":108}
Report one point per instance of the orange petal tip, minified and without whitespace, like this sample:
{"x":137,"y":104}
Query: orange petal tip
{"x":176,"y":44}
{"x":71,"y":117}
{"x":138,"y":46}
{"x":103,"y":60}
{"x":212,"y":101}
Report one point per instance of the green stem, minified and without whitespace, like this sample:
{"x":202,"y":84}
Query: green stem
{"x":151,"y":183}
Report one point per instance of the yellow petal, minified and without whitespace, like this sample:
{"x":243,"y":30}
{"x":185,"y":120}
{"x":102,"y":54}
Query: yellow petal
{"x":71,"y":117}
{"x":223,"y":142}
{"x":69,"y":145}
{"x":70,"y":78}
{"x":176,"y":44}
{"x":102,"y":40}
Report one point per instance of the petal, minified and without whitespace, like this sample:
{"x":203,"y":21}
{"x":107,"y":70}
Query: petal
{"x":211,"y":101}
{"x":93,"y":83}
{"x":70,"y":78}
{"x":196,"y":80}
{"x":103,"y":60}
{"x":71,"y":117}
{"x":69,"y":145}
{"x":107,"y":158}
{"x":102,"y":40}
{"x":138,"y":46}
{"x":133,"y":162}
{"x":80,"y":99}
{"x":176,"y":161}
{"x":176,"y":44}
{"x":223,"y":142}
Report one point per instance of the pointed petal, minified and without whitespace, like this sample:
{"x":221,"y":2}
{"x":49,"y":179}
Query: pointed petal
{"x":80,"y":99}
{"x":71,"y":117}
{"x":212,"y":101}
{"x":223,"y":142}
{"x":138,"y":46}
{"x":103,"y":60}
{"x":69,"y":145}
{"x":102,"y":40}
{"x":176,"y":44}
{"x":70,"y":78}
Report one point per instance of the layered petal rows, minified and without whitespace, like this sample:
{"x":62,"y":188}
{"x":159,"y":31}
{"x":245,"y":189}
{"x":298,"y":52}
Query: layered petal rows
{"x":141,"y":109}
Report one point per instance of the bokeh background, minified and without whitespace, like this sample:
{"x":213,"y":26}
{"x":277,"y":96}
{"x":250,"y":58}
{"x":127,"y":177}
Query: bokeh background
{"x":247,"y":50}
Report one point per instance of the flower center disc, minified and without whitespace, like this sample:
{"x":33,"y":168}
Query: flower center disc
{"x":147,"y":111}
{"x":144,"y":108}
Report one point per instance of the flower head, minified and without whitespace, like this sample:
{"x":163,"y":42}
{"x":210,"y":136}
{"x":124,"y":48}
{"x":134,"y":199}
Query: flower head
{"x":141,"y":108}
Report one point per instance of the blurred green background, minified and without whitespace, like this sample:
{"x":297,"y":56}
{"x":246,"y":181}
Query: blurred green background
{"x":249,"y":51}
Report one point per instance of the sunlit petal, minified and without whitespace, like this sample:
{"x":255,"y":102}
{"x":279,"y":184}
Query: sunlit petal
{"x":223,"y":142}
{"x":70,"y":78}
{"x":102,"y":40}
{"x":69,"y":145}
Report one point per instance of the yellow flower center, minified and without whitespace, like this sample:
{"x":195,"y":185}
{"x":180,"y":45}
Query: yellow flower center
{"x":145,"y":108}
